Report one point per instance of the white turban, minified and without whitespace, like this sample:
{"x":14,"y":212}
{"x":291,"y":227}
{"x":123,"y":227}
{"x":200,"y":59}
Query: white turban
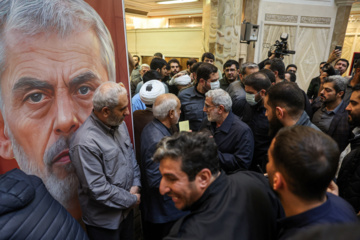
{"x":150,"y":91}
{"x":182,"y":80}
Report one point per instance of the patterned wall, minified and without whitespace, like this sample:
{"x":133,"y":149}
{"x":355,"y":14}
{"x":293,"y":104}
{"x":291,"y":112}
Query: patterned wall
{"x":309,"y":36}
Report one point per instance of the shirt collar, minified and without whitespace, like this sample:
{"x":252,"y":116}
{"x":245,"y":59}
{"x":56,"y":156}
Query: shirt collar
{"x":332,"y":111}
{"x":102,"y":125}
{"x":226,"y":125}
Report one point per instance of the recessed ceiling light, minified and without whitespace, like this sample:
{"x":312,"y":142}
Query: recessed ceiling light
{"x":176,"y":1}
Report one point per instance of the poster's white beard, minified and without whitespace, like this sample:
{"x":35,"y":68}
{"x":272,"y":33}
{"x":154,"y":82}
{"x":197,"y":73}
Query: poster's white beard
{"x":63,"y":190}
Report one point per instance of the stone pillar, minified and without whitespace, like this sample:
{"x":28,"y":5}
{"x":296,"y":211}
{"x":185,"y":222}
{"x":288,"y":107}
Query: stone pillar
{"x":341,"y":22}
{"x":251,"y":13}
{"x":221,"y":27}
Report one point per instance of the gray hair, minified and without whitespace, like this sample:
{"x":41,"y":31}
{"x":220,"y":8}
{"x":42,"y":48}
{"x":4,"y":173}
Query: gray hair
{"x":249,"y":65}
{"x":61,"y":17}
{"x":338,"y":81}
{"x":144,"y":65}
{"x":107,"y":95}
{"x":220,"y":97}
{"x":161,"y":110}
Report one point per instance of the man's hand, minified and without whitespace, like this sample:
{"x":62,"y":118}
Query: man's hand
{"x":134,"y":190}
{"x":333,"y":188}
{"x":334,"y":55}
{"x":137,"y":199}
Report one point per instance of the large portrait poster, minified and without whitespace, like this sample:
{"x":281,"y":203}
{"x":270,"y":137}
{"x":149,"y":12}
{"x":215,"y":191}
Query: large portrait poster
{"x":50,"y":66}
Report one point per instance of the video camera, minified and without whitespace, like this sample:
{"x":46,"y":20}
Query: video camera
{"x":281,"y":48}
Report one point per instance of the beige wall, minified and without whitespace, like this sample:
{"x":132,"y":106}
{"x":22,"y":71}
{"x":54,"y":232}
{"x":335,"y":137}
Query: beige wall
{"x":352,"y":39}
{"x":172,"y":42}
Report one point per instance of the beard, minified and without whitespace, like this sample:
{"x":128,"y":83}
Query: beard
{"x":63,"y":190}
{"x":274,"y":126}
{"x":114,"y":120}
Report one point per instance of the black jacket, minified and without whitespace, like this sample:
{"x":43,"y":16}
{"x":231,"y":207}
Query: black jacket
{"x":349,"y":175}
{"x":28,"y":211}
{"x":237,"y":206}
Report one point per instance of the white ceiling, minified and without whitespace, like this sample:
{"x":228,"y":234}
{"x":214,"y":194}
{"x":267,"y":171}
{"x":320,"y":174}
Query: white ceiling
{"x":153,"y":9}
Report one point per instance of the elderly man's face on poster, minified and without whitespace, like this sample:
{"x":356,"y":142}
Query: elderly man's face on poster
{"x":46,"y":92}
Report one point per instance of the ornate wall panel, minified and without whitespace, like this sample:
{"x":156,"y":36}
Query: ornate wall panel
{"x":311,"y":46}
{"x":272,"y":33}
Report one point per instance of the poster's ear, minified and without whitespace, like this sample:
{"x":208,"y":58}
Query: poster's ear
{"x":5,"y":143}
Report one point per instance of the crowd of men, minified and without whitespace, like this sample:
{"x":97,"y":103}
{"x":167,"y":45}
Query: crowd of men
{"x":261,"y":159}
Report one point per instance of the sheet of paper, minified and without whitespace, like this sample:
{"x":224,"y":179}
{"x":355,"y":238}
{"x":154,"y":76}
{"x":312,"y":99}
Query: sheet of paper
{"x":184,"y":126}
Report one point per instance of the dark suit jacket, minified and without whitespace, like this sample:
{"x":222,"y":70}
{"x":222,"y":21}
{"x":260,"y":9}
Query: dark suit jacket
{"x":339,"y":128}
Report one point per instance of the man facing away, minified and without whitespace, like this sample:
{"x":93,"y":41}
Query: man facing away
{"x":233,"y":137}
{"x":105,"y":164}
{"x":302,"y":163}
{"x":158,"y":212}
{"x":237,"y":206}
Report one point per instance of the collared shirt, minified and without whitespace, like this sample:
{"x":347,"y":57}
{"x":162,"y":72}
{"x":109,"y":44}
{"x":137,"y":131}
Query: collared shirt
{"x":334,"y":210}
{"x":304,"y":120}
{"x":192,"y":104}
{"x":235,"y":143}
{"x":105,"y":164}
{"x":323,"y":118}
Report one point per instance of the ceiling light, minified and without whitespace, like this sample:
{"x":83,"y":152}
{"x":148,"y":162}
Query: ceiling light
{"x":176,"y":1}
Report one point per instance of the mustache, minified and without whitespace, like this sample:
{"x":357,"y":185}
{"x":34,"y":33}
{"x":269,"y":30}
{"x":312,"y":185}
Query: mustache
{"x":60,"y":145}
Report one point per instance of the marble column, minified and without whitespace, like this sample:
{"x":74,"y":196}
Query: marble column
{"x":341,"y":22}
{"x":251,"y":15}
{"x":221,"y":29}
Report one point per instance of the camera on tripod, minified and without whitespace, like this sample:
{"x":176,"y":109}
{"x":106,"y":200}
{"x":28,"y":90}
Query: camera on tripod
{"x":281,"y":47}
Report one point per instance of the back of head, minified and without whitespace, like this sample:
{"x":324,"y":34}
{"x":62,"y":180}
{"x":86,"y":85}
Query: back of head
{"x":163,"y":104}
{"x":138,"y":58}
{"x":207,"y":55}
{"x":61,"y":17}
{"x":191,"y":61}
{"x":158,"y":55}
{"x":157,"y":63}
{"x":278,"y":65}
{"x":330,"y":70}
{"x":247,"y":65}
{"x":292,"y":76}
{"x":205,"y":70}
{"x":144,"y":65}
{"x":151,"y":75}
{"x":220,"y":97}
{"x":107,"y":95}
{"x":195,"y":150}
{"x":308,"y":160}
{"x":195,"y":67}
{"x":150,"y":90}
{"x":270,"y":74}
{"x":257,"y":81}
{"x":287,"y":95}
{"x":231,"y":62}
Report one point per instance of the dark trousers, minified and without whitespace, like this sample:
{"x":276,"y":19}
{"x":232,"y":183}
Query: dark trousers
{"x":124,"y":232}
{"x":156,"y":231}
